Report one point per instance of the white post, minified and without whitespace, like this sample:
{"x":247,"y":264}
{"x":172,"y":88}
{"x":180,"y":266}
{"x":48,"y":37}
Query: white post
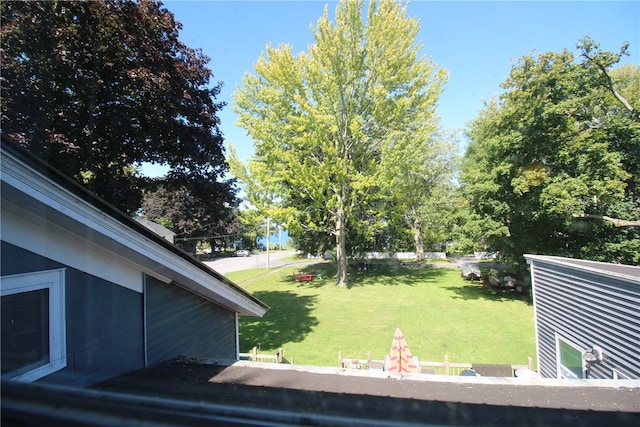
{"x":268,"y":235}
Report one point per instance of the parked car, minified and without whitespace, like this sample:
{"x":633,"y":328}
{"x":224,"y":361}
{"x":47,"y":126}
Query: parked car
{"x":242,"y":252}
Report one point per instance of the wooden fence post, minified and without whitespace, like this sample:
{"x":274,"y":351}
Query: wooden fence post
{"x":446,"y":364}
{"x":340,"y":358}
{"x":280,"y":355}
{"x":369,"y":360}
{"x":530,"y":363}
{"x":254,"y":354}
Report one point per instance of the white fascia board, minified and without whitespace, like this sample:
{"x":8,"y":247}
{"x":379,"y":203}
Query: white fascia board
{"x":132,"y":247}
{"x":42,"y":236}
{"x":625,"y":272}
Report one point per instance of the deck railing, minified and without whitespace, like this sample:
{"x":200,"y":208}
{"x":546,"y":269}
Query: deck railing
{"x":428,"y":367}
{"x":255,"y":356}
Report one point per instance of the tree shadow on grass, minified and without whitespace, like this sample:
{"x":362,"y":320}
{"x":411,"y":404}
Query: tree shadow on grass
{"x":323,"y":275}
{"x":476,"y":291}
{"x":386,"y":275}
{"x":288,"y":320}
{"x":395,"y":276}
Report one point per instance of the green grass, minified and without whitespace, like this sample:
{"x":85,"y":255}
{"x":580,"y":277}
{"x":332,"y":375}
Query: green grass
{"x":438,"y":312}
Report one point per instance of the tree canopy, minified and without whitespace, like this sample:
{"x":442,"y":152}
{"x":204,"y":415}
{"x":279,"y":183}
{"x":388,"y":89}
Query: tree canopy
{"x":554,"y":155}
{"x":189,"y":215}
{"x":418,"y":182}
{"x":96,"y":88}
{"x":326,"y":122}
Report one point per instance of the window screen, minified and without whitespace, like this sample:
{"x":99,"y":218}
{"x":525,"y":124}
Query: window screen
{"x":32,"y":310}
{"x":25,"y":330}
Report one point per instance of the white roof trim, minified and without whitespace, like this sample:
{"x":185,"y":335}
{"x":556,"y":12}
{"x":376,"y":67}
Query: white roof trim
{"x":149,"y":256}
{"x":626,"y":272}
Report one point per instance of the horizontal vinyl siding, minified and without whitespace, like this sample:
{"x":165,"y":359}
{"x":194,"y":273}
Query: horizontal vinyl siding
{"x":180,"y":323}
{"x":104,"y":330}
{"x":104,"y":321}
{"x":587,"y":309}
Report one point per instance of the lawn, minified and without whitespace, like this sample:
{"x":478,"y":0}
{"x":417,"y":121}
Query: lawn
{"x":438,"y":312}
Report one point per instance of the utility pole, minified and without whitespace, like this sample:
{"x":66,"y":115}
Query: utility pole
{"x":268,"y":235}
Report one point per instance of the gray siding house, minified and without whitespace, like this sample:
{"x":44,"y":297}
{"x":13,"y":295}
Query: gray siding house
{"x":587,"y":317}
{"x":89,"y":293}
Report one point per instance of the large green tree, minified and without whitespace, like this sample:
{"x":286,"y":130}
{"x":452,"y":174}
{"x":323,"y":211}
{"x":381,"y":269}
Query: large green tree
{"x":555,"y":156}
{"x":419,"y":185}
{"x":96,"y":88}
{"x":323,"y":121}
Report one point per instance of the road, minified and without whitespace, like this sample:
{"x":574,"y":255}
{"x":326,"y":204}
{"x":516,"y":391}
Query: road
{"x":259,"y":260}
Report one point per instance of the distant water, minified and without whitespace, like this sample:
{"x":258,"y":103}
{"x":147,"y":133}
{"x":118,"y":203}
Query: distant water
{"x":275,"y":239}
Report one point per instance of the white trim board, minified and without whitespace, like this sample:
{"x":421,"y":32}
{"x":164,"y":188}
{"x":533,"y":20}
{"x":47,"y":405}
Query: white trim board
{"x":50,"y":241}
{"x":35,"y":195}
{"x":54,"y":281}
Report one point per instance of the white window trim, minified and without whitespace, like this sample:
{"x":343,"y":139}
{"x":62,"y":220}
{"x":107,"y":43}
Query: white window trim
{"x":54,"y":280}
{"x":617,"y":375}
{"x":559,"y":366}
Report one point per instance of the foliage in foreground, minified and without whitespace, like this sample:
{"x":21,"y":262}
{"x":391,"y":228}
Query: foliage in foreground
{"x":438,"y":312}
{"x":554,"y":162}
{"x":96,"y":88}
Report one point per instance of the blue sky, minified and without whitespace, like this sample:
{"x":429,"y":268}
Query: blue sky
{"x":476,"y":41}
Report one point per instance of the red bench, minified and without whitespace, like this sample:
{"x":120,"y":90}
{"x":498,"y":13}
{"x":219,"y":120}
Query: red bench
{"x":304,"y":277}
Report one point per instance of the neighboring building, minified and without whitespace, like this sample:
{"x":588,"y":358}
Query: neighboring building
{"x":587,"y":317}
{"x":159,"y":229}
{"x":89,"y":293}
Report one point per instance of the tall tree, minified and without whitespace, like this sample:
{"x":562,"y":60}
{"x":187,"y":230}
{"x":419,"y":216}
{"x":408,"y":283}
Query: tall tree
{"x":557,"y":151}
{"x":98,"y":87}
{"x":261,"y":190}
{"x":323,"y":120}
{"x":418,"y":181}
{"x":262,"y":201}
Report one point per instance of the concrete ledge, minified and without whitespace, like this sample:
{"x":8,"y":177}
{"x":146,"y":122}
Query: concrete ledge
{"x":364,"y":373}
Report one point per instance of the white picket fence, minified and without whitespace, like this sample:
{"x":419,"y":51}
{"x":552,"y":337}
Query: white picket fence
{"x":403,"y":255}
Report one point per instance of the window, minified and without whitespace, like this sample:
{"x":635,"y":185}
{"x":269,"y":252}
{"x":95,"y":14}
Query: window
{"x":570,"y":359}
{"x":617,"y":375}
{"x":33,"y":325}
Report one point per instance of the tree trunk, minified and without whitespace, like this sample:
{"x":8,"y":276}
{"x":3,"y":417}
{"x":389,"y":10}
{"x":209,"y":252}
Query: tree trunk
{"x":417,"y":235}
{"x":341,"y":243}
